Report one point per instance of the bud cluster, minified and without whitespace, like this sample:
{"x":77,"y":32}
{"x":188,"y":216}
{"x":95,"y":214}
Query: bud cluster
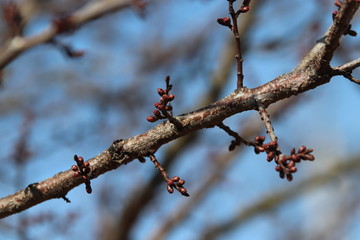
{"x":285,"y":163}
{"x":82,"y":169}
{"x":163,"y":107}
{"x":172,"y":183}
{"x":177,"y":183}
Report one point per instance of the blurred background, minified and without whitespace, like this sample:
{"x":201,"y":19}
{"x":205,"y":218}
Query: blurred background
{"x":53,"y":106}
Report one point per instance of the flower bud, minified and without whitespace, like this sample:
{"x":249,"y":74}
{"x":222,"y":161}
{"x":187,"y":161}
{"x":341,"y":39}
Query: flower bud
{"x":170,"y":182}
{"x":171,"y":97}
{"x":170,"y":189}
{"x":225,"y":21}
{"x":181,"y":182}
{"x":175,"y":179}
{"x":157,"y":113}
{"x":160,"y":91}
{"x":151,"y":118}
{"x":289,"y":177}
{"x":184,"y":192}
{"x":302,"y":149}
{"x":88,"y":189}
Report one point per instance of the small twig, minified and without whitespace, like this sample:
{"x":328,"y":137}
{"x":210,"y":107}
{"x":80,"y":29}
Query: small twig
{"x":351,"y":78}
{"x":346,"y":70}
{"x":269,"y":128}
{"x":66,"y":199}
{"x":233,"y":25}
{"x":159,"y":167}
{"x":67,"y":49}
{"x":238,"y":56}
{"x":347,"y":67}
{"x":238,"y":139}
{"x":174,"y":182}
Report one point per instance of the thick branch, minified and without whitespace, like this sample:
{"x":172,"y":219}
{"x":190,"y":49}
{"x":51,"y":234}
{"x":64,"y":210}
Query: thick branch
{"x":149,"y":142}
{"x":305,"y":77}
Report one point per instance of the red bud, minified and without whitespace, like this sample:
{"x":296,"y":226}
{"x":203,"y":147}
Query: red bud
{"x":151,"y":119}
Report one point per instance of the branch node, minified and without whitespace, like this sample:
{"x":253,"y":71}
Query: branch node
{"x":82,"y":169}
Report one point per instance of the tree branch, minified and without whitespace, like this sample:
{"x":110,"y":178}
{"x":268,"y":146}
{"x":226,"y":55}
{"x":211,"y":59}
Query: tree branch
{"x":305,"y":77}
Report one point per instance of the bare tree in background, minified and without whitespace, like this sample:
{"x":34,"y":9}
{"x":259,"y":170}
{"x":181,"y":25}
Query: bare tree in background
{"x":99,"y":94}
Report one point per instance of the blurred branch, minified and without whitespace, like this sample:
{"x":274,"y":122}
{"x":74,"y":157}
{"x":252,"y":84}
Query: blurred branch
{"x":276,"y":199}
{"x":95,"y":9}
{"x":312,"y":72}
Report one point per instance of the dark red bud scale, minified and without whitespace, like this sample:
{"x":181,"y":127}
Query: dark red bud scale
{"x":88,"y":189}
{"x":181,"y":182}
{"x":175,"y":179}
{"x":291,"y":164}
{"x":86,"y":170}
{"x":184,"y":192}
{"x":160,"y":91}
{"x":338,"y":4}
{"x":170,"y":189}
{"x":171,"y":97}
{"x":170,"y":183}
{"x":157,"y":113}
{"x":245,"y":9}
{"x":151,"y":119}
{"x":302,"y":149}
{"x":232,"y":147}
{"x":289,"y":177}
